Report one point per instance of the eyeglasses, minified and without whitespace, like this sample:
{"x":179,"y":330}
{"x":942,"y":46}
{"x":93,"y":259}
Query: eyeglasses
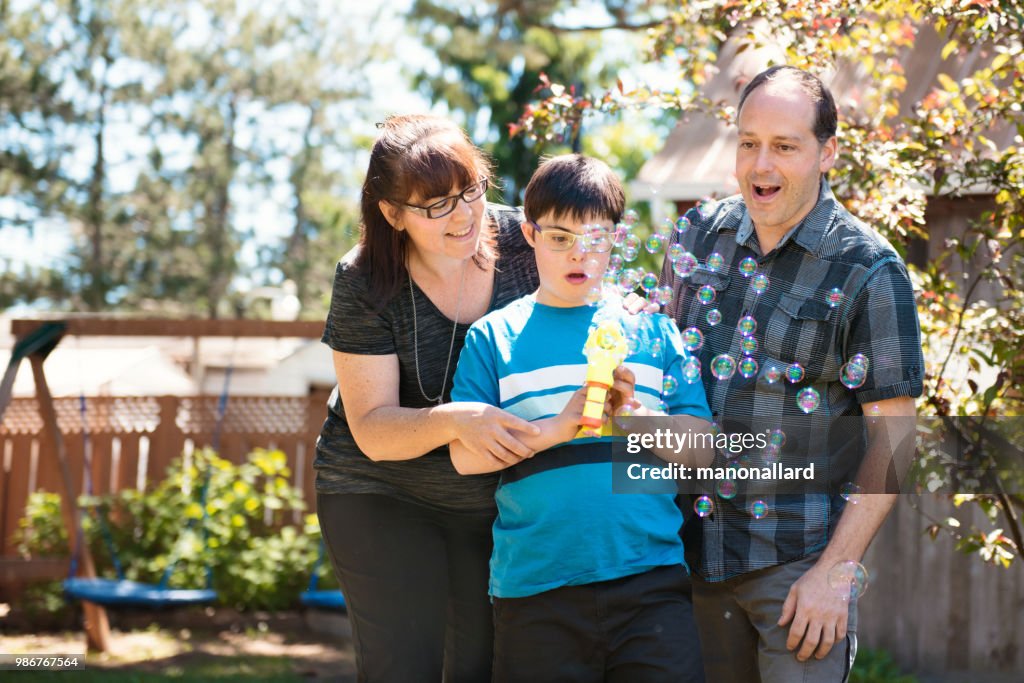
{"x":443,"y":207}
{"x":558,"y":239}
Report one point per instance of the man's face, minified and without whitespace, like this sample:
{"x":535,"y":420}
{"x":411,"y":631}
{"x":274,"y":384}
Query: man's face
{"x":779,"y":162}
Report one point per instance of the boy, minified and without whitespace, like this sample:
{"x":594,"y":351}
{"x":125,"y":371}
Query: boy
{"x":587,"y":585}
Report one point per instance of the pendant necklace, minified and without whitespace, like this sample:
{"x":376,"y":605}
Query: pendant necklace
{"x":439,"y":399}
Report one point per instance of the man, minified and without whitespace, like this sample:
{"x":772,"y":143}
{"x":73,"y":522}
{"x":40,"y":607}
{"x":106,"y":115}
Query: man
{"x":800,"y":287}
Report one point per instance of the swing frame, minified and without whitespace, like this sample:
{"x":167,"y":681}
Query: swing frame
{"x":35,"y":339}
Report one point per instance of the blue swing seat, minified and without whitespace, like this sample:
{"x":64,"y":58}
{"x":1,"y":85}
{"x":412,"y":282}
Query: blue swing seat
{"x":333,"y":600}
{"x":121,"y":593}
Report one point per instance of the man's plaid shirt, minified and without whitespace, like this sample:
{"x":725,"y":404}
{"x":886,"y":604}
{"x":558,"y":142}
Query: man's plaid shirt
{"x":876,"y":316}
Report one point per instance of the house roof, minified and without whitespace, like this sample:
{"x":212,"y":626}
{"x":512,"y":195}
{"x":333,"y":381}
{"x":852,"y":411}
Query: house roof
{"x":698,"y":160}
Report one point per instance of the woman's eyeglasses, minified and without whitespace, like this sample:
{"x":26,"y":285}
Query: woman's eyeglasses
{"x":443,"y":207}
{"x":557,"y":239}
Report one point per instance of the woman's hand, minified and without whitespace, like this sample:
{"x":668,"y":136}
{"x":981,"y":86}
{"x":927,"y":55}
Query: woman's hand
{"x":489,"y":433}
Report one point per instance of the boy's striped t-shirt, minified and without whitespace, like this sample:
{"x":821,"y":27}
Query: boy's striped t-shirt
{"x":558,"y":521}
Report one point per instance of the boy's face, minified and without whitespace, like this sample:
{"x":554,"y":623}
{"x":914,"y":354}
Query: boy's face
{"x":567,"y":273}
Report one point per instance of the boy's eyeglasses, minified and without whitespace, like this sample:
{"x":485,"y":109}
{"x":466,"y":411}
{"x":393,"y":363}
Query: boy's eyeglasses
{"x":443,"y":207}
{"x":557,"y":239}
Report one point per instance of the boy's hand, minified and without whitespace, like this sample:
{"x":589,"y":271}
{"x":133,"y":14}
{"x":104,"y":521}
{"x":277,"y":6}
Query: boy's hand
{"x":622,"y":390}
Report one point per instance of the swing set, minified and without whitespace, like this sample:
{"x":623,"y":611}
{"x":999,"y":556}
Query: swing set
{"x":35,"y":340}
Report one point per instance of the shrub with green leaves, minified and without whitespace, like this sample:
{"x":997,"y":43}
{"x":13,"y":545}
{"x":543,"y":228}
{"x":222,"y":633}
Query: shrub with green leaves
{"x":242,"y":532}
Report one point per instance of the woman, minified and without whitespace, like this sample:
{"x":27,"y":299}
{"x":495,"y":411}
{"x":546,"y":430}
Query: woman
{"x":409,"y":538}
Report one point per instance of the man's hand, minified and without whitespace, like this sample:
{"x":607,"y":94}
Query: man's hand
{"x":818,"y":614}
{"x":634,"y":304}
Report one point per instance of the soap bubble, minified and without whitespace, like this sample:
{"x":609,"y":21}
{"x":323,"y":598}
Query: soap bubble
{"x":794,"y":373}
{"x":808,"y":399}
{"x":630,"y":217}
{"x":726,"y":489}
{"x":772,"y":373}
{"x":715,"y":262}
{"x":666,"y":228}
{"x":849,"y":579}
{"x":656,"y":346}
{"x":693,"y":339}
{"x":748,"y":345}
{"x":706,"y":294}
{"x":748,"y":367}
{"x":629,"y":254}
{"x":675,"y":252}
{"x":759,"y":283}
{"x":615,"y":263}
{"x":691,"y":370}
{"x":703,"y":506}
{"x":759,"y":509}
{"x":777,"y":438}
{"x":682,"y":224}
{"x":747,"y":325}
{"x":748,"y":266}
{"x":649,"y":282}
{"x":685,"y":265}
{"x":669,"y":385}
{"x":852,"y":375}
{"x":851,"y":493}
{"x":714,"y":317}
{"x":593,"y":296}
{"x":663,"y":295}
{"x":723,"y":366}
{"x":654,"y":244}
{"x":834,"y":297}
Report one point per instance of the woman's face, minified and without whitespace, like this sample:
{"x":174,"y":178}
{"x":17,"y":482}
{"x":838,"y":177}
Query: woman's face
{"x":455,"y":235}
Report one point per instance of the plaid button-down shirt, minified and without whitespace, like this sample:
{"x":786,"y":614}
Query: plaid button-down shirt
{"x":834,"y":289}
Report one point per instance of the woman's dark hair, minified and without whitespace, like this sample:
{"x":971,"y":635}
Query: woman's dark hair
{"x":825,"y":114}
{"x":414,"y":154}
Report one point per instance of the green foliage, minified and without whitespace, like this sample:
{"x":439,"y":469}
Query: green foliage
{"x":258,"y":560}
{"x":876,"y":666}
{"x":896,"y":157}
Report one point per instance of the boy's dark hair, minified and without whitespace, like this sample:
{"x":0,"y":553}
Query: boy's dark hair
{"x":825,"y":114}
{"x":574,"y":186}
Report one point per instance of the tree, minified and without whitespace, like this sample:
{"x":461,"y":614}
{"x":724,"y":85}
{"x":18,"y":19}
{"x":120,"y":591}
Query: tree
{"x":892,"y":162}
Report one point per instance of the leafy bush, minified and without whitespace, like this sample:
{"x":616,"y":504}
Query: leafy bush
{"x":876,"y":666}
{"x":242,"y":534}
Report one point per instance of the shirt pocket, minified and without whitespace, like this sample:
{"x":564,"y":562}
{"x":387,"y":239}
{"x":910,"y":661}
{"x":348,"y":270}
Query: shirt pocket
{"x":699,"y":278}
{"x":801,"y":330}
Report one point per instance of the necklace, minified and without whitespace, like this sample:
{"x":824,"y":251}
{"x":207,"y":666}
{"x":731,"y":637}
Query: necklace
{"x":439,"y":399}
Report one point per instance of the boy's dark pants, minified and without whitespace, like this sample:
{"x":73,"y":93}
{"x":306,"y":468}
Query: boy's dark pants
{"x":637,"y":629}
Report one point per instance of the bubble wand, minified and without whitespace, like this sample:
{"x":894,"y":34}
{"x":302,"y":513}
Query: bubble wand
{"x":605,"y":350}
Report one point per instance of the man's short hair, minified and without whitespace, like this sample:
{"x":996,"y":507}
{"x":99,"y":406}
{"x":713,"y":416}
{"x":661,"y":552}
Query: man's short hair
{"x":575,"y":186}
{"x":825,"y":114}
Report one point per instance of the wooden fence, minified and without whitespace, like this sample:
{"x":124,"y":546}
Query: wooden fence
{"x":133,"y":439}
{"x":937,"y":610}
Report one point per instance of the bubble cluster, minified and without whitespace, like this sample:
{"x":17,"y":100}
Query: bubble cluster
{"x":703,"y":506}
{"x":848,"y":579}
{"x":758,"y":509}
